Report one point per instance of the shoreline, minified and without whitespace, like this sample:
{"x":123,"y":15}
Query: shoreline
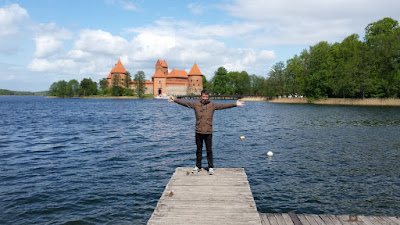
{"x":341,"y":101}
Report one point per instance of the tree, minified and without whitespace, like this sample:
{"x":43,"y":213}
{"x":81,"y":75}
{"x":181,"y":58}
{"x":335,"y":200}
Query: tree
{"x":103,"y":84}
{"x":88,"y":87}
{"x":127,"y":79}
{"x":58,"y":89}
{"x":207,"y":85}
{"x":278,"y":80}
{"x":295,"y":71}
{"x":73,"y":88}
{"x":139,"y":79}
{"x":320,"y":66}
{"x":383,"y":39}
{"x":220,"y":80}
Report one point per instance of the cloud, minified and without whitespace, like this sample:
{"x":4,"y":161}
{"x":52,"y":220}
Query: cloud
{"x":127,"y":5}
{"x":100,"y":42}
{"x":196,"y":8}
{"x":288,"y":22}
{"x":11,"y":19}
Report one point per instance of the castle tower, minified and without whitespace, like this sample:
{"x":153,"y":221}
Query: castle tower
{"x":195,"y":82}
{"x":159,"y":83}
{"x":118,"y":70}
{"x":162,"y":65}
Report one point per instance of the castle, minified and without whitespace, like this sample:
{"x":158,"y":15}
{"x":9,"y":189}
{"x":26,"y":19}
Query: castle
{"x":176,"y":82}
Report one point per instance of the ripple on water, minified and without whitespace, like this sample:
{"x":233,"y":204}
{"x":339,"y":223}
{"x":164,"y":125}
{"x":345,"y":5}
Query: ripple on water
{"x":67,"y":161}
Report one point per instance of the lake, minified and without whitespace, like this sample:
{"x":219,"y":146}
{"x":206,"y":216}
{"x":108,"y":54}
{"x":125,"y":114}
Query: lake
{"x":98,"y":161}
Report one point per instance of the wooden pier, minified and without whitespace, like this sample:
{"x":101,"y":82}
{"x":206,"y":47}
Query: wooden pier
{"x":309,"y":219}
{"x":222,"y":198}
{"x":226,"y":198}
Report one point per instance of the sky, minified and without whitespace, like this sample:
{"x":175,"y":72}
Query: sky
{"x":45,"y":41}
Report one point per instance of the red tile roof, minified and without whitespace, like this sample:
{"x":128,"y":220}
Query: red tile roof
{"x":158,"y":74}
{"x":177,"y":74}
{"x":195,"y":70}
{"x":109,"y":76}
{"x":163,"y":63}
{"x":119,"y":68}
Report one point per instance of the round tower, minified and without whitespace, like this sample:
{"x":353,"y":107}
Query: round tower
{"x":195,"y":81}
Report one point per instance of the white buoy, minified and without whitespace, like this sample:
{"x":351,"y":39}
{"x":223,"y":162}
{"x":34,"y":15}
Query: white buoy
{"x":270,"y":154}
{"x":242,"y":137}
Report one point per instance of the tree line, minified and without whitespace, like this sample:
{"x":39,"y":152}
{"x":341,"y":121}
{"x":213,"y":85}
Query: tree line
{"x":350,"y":69}
{"x":88,"y":87}
{"x":9,"y":92}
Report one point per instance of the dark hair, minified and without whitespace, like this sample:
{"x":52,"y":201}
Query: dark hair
{"x":205,"y":92}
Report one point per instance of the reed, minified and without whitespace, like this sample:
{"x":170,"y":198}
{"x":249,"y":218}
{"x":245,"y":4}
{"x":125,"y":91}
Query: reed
{"x":289,"y":100}
{"x":342,"y":101}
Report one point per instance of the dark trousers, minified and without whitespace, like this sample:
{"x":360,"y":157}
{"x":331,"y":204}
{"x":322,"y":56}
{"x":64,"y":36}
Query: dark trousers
{"x":199,"y":153}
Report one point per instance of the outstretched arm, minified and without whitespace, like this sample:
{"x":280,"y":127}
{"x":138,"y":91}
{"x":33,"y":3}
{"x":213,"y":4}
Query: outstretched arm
{"x":181,"y":102}
{"x":239,"y":103}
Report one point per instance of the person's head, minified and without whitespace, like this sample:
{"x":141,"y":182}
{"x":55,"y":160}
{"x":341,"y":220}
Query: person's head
{"x":205,"y":95}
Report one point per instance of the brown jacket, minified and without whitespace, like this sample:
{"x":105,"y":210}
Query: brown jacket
{"x":204,"y":113}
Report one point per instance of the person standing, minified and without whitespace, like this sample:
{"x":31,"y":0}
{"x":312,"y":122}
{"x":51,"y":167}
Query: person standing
{"x":204,"y":112}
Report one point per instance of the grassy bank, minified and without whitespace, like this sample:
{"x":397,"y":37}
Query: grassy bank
{"x":247,"y":99}
{"x":341,"y":101}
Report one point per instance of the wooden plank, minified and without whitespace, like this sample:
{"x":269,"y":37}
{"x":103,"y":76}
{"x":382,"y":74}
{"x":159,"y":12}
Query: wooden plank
{"x":326,"y":219}
{"x":272,"y":219}
{"x":294,"y":218}
{"x":388,"y":220}
{"x":280,"y":219}
{"x":287,"y":219}
{"x":318,"y":219}
{"x":303,"y":220}
{"x":311,"y":219}
{"x":264,"y":219}
{"x":334,"y":219}
{"x":223,"y":198}
{"x":382,"y":220}
{"x":395,"y":220}
{"x":365,"y":220}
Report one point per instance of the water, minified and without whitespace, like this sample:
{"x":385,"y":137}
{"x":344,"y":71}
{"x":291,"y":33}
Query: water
{"x":96,"y":161}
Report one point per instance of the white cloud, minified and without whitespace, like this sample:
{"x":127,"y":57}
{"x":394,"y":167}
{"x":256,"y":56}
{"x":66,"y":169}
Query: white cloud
{"x":49,"y":39}
{"x":288,"y":22}
{"x":127,"y":5}
{"x":196,"y":8}
{"x":101,"y":42}
{"x":11,"y":19}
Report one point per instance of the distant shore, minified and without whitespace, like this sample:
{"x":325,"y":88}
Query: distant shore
{"x":341,"y":101}
{"x":101,"y":97}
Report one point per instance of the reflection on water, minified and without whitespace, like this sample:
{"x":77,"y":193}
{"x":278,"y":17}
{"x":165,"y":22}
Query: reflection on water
{"x":108,"y":161}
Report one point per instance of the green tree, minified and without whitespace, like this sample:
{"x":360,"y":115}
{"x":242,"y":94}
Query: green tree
{"x":103,"y":84}
{"x":127,"y":79}
{"x":58,"y":89}
{"x":277,"y":79}
{"x":383,"y":39}
{"x":73,"y":88}
{"x":88,"y":87}
{"x":320,"y":66}
{"x":140,"y":87}
{"x":207,"y":85}
{"x":295,"y":75}
{"x":220,"y":81}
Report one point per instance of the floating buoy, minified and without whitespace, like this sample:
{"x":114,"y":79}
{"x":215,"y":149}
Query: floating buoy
{"x":270,"y":154}
{"x":242,"y":137}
